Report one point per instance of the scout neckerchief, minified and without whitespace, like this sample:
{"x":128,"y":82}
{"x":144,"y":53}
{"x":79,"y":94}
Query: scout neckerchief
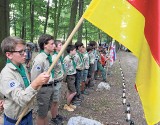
{"x":61,"y":59}
{"x":50,"y":61}
{"x":80,"y":56}
{"x":73,"y":62}
{"x":21,"y":70}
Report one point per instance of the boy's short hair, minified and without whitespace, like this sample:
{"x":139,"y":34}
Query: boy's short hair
{"x":102,"y":51}
{"x":57,"y":42}
{"x":70,"y":48}
{"x":43,"y":39}
{"x":92,"y":43}
{"x":89,"y":48}
{"x":78,"y":44}
{"x":9,"y":43}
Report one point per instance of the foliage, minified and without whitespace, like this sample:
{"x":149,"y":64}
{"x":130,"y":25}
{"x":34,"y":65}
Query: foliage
{"x":18,"y":19}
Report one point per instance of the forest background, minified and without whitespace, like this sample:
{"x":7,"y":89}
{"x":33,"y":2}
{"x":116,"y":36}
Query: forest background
{"x":28,"y":19}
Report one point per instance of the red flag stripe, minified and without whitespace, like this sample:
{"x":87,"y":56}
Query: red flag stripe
{"x":151,"y":12}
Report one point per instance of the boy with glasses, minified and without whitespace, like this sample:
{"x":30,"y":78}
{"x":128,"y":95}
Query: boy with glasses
{"x":15,"y":84}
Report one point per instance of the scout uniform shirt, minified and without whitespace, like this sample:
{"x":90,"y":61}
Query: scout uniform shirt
{"x":96,"y":54}
{"x":70,"y":65}
{"x":13,"y":88}
{"x":40,"y":64}
{"x":92,"y":57}
{"x":79,"y":61}
{"x":86,"y":60}
{"x":58,"y":68}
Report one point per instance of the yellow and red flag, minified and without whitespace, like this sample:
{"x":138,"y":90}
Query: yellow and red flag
{"x":136,"y":25}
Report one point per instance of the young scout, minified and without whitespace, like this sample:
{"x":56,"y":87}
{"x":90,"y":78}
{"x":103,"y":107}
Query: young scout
{"x":70,"y":68}
{"x":14,"y":82}
{"x":98,"y":65}
{"x":91,"y":66}
{"x":79,"y":68}
{"x":58,"y":79}
{"x":42,"y":62}
{"x":96,"y":57}
{"x":86,"y":62}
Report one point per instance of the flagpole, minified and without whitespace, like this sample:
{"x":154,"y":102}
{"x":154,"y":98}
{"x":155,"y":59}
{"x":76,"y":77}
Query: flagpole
{"x":52,"y":65}
{"x":108,"y":61}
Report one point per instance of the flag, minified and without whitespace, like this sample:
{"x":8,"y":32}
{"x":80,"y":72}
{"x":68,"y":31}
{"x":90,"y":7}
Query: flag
{"x":136,"y":25}
{"x":112,"y":52}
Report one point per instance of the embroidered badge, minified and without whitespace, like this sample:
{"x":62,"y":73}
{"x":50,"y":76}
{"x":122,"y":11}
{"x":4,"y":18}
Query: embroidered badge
{"x":13,"y":84}
{"x":66,"y":65}
{"x":38,"y":68}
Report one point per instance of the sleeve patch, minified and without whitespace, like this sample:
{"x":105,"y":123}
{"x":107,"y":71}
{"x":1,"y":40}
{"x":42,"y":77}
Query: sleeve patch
{"x":13,"y":84}
{"x":38,"y":68}
{"x":66,"y":65}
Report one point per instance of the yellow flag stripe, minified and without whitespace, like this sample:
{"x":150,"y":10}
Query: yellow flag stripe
{"x":123,"y":22}
{"x":118,"y":24}
{"x":148,"y":84}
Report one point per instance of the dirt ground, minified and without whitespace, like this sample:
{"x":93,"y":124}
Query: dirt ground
{"x":106,"y":106}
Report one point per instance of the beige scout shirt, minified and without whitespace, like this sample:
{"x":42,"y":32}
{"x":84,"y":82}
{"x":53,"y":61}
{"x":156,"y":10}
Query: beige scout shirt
{"x":40,"y":64}
{"x":92,"y":57}
{"x":86,"y":60}
{"x":13,"y":88}
{"x":79,"y":62}
{"x":58,"y":69}
{"x":69,"y":68}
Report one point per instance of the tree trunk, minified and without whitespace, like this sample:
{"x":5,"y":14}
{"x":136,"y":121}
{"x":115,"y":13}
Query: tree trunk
{"x":80,"y":31}
{"x":99,"y":36}
{"x":64,"y":33}
{"x":86,"y":34}
{"x":4,"y":26}
{"x":47,"y":14}
{"x":14,"y":24}
{"x":24,"y":20}
{"x":32,"y":19}
{"x":57,"y":13}
{"x":73,"y":16}
{"x":55,"y":18}
{"x":58,"y":18}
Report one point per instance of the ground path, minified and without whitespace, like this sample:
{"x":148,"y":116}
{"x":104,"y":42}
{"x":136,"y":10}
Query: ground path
{"x":106,"y":106}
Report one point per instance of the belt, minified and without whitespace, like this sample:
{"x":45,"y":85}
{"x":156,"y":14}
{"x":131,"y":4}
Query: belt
{"x":57,"y":81}
{"x":78,"y":70}
{"x":72,"y":75}
{"x":13,"y":120}
{"x":47,"y":85}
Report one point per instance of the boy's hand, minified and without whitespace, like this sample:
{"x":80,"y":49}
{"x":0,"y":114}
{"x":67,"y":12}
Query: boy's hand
{"x":40,"y":80}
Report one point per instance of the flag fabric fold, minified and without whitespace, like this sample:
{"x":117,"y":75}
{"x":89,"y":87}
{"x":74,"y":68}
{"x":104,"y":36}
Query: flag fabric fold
{"x":112,"y":52}
{"x":136,"y":25}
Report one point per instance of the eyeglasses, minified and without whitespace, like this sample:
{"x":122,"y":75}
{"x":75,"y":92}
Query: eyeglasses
{"x":21,"y":52}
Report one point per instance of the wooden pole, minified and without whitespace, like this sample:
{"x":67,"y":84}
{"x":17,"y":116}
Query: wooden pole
{"x":52,"y":65}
